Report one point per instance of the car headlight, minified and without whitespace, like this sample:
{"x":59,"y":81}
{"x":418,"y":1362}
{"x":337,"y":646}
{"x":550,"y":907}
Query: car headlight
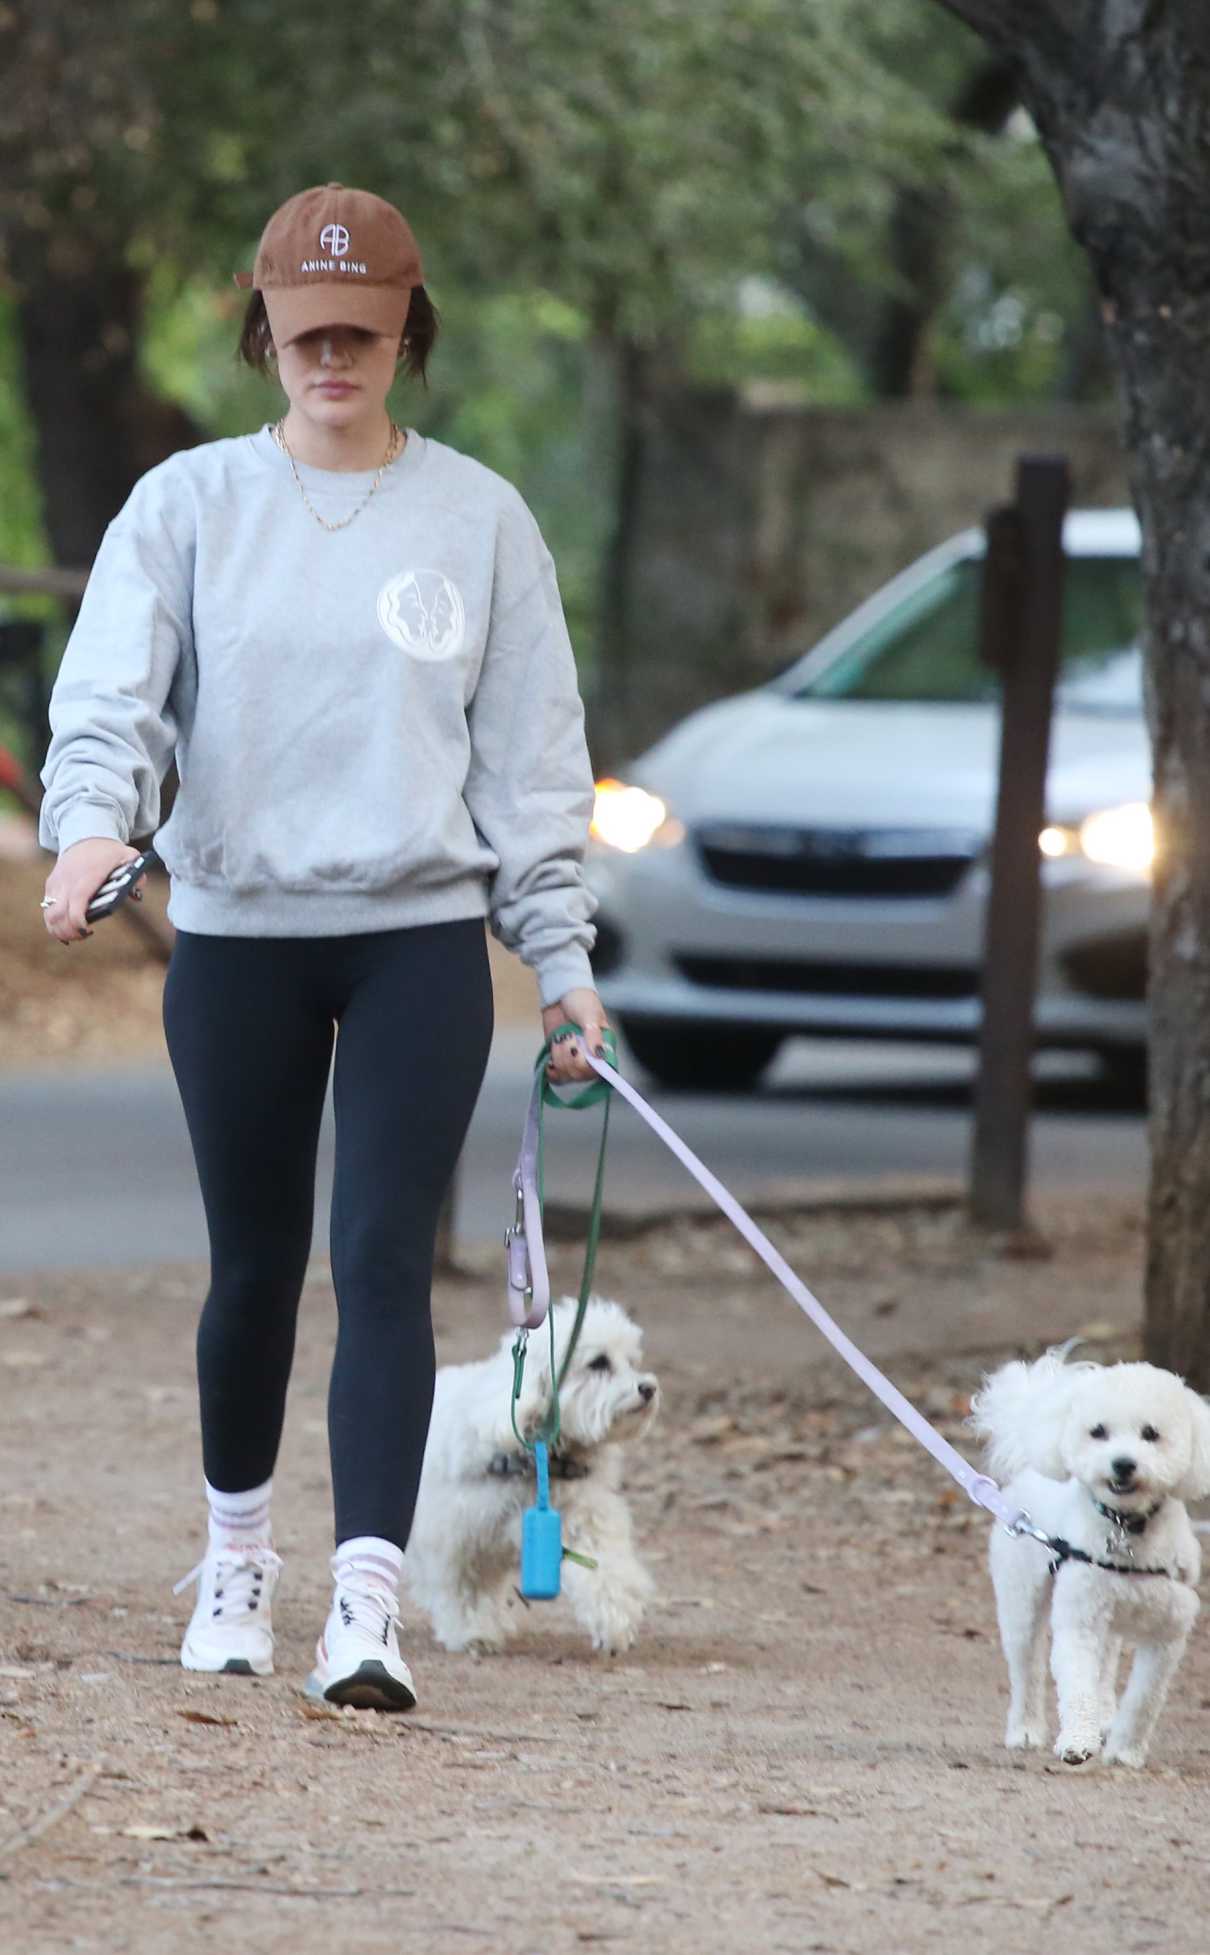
{"x":630,"y":819}
{"x":1119,"y":838}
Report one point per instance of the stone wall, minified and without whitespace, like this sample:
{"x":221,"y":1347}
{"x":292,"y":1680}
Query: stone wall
{"x":760,"y":524}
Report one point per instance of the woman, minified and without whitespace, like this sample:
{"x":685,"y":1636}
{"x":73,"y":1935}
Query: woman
{"x":352,"y":640}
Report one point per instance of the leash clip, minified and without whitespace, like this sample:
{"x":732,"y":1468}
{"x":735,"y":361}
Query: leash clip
{"x":516,"y":1252}
{"x":1024,"y":1523}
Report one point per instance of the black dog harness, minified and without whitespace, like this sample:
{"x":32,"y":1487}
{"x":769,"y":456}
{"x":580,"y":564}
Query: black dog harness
{"x":1063,"y":1551}
{"x":1122,"y":1524}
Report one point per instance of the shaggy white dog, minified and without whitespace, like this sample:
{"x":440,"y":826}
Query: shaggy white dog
{"x":1102,"y":1459}
{"x":463,"y":1557}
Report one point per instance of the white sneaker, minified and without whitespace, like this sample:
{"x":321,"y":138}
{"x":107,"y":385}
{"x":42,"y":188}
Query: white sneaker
{"x":231,"y":1629}
{"x":357,"y":1658}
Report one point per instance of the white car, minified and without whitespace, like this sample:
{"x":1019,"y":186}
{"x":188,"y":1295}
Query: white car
{"x":812,"y":857}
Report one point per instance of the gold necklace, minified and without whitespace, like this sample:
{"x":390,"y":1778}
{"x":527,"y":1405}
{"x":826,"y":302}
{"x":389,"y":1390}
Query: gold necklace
{"x":394,"y":444}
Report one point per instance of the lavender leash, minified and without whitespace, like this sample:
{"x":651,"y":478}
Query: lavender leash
{"x":525,"y":1251}
{"x":529,"y":1287}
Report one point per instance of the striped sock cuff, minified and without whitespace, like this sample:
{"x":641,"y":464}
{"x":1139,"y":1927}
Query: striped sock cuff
{"x":368,"y":1558}
{"x":239,"y":1516}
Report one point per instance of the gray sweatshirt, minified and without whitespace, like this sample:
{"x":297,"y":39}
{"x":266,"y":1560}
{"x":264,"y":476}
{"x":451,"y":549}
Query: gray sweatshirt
{"x":373,"y":727}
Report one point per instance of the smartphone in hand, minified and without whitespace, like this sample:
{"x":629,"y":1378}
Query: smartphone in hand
{"x":117,"y":886}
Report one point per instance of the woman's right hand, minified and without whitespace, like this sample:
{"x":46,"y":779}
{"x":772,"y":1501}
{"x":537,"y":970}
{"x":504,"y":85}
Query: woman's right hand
{"x":75,"y":880}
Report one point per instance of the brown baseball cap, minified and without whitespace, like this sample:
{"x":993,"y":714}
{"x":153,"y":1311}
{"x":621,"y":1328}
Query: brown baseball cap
{"x":335,"y":257}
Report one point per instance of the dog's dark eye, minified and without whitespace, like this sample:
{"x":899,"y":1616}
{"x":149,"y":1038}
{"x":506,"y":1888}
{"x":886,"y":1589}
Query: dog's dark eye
{"x":1150,"y":1434}
{"x":1097,"y":1432}
{"x":600,"y":1363}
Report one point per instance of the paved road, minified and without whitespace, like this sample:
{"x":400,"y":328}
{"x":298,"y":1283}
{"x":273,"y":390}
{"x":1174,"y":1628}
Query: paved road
{"x":96,"y":1168}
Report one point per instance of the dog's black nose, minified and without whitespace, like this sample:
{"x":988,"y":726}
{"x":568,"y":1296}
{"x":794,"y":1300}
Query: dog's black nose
{"x":647,"y":1390}
{"x":1123,"y":1469}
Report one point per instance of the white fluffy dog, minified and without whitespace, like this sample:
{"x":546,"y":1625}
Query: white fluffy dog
{"x":1102,"y":1459}
{"x":462,"y":1559}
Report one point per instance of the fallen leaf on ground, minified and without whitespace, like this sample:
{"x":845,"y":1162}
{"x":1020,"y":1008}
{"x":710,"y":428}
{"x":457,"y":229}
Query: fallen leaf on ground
{"x":206,"y":1717}
{"x":193,"y":1832}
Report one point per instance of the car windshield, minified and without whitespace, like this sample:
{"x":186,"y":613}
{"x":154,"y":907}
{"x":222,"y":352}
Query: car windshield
{"x":926,"y":647}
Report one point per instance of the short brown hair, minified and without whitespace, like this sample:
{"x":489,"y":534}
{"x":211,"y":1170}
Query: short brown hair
{"x":419,"y":336}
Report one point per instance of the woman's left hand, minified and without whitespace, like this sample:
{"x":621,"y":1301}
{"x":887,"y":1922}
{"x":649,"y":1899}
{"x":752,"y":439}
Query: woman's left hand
{"x":581,"y":1007}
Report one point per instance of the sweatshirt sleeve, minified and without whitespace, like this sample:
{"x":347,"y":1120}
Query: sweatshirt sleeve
{"x":112,"y":724}
{"x":529,"y":787}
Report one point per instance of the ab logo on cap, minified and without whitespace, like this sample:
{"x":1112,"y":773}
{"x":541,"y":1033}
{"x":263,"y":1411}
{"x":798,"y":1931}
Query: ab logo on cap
{"x":334,"y":238}
{"x":423,"y":613}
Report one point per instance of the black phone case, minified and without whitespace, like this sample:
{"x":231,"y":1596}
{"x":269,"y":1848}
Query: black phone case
{"x":117,"y":887}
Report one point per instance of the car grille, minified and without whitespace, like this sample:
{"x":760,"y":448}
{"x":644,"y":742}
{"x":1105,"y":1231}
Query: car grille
{"x":832,"y":979}
{"x":1113,"y":967}
{"x":901,"y":863}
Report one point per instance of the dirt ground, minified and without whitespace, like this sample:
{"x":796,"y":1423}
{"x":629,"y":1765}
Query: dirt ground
{"x":802,"y":1752}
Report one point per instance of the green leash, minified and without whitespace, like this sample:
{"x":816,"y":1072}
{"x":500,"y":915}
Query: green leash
{"x":595,"y":1093}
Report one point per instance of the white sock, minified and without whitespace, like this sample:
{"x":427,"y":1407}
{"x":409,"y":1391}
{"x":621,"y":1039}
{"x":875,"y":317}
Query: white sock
{"x":239,"y":1519}
{"x":368,"y":1562}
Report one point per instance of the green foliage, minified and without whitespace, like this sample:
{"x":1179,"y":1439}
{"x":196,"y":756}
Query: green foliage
{"x":635,"y":161}
{"x":573,"y":173}
{"x":21,"y":539}
{"x":778,"y":343}
{"x":1021,"y":290}
{"x":22,"y":542}
{"x":188,"y":353}
{"x":629,"y":158}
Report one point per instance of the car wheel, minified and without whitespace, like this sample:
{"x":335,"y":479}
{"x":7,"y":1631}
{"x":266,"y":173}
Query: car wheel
{"x":713,"y":1058}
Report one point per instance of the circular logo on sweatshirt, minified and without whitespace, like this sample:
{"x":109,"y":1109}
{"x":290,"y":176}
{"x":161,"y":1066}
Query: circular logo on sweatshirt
{"x":423,"y":613}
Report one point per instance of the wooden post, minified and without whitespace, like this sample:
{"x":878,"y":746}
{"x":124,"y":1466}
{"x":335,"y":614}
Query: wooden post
{"x":1020,"y":635}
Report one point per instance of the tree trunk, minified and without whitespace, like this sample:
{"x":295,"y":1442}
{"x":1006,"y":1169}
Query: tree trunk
{"x":1119,"y":95}
{"x":97,"y":425}
{"x":1160,"y":333}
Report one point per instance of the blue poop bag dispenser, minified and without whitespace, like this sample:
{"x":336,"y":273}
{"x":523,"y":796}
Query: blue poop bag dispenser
{"x":541,"y":1538}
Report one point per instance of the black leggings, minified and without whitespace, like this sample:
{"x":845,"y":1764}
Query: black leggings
{"x":250,"y":1023}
